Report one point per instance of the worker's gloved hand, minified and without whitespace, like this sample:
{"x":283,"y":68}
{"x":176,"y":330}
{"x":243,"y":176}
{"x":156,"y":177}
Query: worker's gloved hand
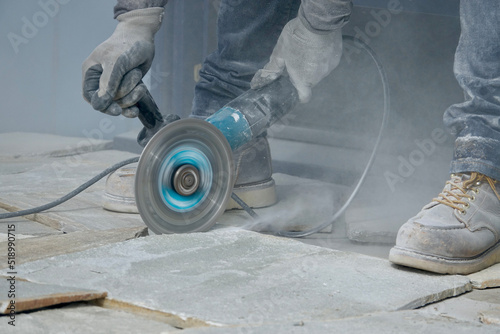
{"x":112,"y":74}
{"x":308,"y":56}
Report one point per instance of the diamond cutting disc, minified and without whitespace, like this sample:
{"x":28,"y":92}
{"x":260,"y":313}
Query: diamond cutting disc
{"x":184,"y":177}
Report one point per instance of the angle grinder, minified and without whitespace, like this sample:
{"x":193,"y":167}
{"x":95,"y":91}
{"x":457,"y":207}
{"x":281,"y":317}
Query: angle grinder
{"x":185,"y":175}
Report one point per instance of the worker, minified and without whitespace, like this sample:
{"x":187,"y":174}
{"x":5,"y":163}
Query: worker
{"x":457,"y":232}
{"x":306,"y":42}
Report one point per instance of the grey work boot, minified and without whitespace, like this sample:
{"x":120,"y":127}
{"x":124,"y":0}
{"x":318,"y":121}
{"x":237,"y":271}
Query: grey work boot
{"x":457,"y":233}
{"x":254,"y":184}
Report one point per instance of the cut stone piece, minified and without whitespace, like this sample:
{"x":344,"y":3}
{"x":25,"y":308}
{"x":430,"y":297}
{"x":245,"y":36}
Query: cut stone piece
{"x":82,"y":318}
{"x":486,"y":278}
{"x":380,"y":323}
{"x":56,"y":177}
{"x":302,"y":204}
{"x":237,"y":277}
{"x":32,"y":296}
{"x":28,"y":144}
{"x":42,"y":247}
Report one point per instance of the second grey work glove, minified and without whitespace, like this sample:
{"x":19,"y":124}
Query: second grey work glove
{"x":308,"y":57}
{"x":112,"y":74}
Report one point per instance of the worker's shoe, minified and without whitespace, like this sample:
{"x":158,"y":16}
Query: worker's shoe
{"x":254,"y":182}
{"x":119,"y":194}
{"x":457,"y":233}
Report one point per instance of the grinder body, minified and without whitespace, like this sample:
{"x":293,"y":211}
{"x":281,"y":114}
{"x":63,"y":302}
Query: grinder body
{"x":185,"y":175}
{"x":253,"y":112}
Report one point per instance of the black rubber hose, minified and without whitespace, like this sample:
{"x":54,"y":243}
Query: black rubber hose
{"x":71,"y":194}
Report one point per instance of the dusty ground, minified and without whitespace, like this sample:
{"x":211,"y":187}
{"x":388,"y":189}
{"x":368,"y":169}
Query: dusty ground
{"x":79,"y":268}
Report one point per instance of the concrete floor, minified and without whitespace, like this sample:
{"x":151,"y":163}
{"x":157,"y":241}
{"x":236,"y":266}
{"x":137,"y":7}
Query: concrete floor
{"x":81,"y":269}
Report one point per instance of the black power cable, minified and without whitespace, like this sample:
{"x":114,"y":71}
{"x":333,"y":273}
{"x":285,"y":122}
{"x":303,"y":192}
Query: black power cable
{"x":71,"y":194}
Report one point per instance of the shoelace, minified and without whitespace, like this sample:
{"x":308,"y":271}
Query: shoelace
{"x":457,"y":194}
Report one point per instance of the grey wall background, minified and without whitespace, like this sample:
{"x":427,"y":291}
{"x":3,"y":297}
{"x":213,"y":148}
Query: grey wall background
{"x":40,"y":87}
{"x":40,"y":90}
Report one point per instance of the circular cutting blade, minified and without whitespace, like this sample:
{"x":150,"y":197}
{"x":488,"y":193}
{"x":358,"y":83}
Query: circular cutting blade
{"x":199,"y":148}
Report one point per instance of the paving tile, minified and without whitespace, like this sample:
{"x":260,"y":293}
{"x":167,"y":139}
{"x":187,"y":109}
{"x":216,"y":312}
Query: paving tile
{"x":55,"y":177}
{"x":32,"y":249}
{"x":237,"y":277}
{"x":408,"y":322}
{"x":486,"y":278}
{"x":80,"y":318}
{"x":15,"y":145}
{"x":33,"y":296}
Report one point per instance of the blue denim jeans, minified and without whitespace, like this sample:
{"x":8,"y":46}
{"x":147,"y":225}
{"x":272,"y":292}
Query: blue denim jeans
{"x":247,"y":32}
{"x":476,"y":122}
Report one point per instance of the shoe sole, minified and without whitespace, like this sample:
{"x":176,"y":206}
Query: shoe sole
{"x":255,"y":196}
{"x":120,"y":204}
{"x":118,"y":186}
{"x":443,"y":265}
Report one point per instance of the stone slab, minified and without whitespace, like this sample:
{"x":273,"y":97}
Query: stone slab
{"x":468,"y":306}
{"x":486,"y":278}
{"x":332,"y":241}
{"x":374,"y":230}
{"x":408,"y":322}
{"x":24,"y":228}
{"x":55,"y":177}
{"x":32,"y":296}
{"x":21,"y":165}
{"x":15,"y":145}
{"x":33,"y":249}
{"x":80,"y":318}
{"x":237,"y":277}
{"x":302,"y":204}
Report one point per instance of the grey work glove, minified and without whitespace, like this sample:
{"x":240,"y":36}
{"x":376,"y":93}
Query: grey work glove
{"x":307,"y":56}
{"x":112,"y":74}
